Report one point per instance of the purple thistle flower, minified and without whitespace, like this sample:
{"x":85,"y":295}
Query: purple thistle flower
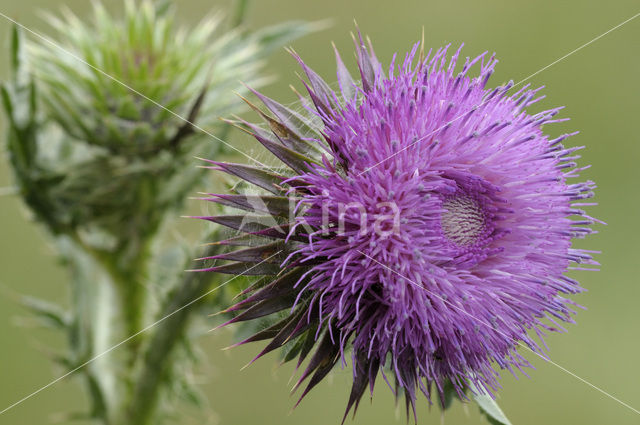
{"x":430,"y":231}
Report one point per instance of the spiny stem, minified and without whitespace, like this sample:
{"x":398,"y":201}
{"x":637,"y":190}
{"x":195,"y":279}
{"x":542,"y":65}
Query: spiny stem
{"x":132,"y":293}
{"x":156,"y":362}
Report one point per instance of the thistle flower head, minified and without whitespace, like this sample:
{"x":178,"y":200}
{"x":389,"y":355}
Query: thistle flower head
{"x":430,"y":231}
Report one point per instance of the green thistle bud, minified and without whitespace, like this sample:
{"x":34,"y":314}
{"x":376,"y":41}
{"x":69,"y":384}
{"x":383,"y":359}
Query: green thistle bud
{"x":125,"y":83}
{"x":112,"y":130}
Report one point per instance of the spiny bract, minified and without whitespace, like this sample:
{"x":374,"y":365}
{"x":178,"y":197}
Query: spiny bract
{"x":423,"y":220}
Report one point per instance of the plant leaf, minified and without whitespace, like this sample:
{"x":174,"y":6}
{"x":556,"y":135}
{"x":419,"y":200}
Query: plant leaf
{"x":258,"y":176}
{"x":488,"y":406}
{"x":274,"y":205}
{"x":269,"y":253}
{"x":51,"y":314}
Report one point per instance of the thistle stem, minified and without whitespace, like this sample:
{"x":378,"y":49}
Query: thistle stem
{"x":156,"y":362}
{"x":133,"y":296}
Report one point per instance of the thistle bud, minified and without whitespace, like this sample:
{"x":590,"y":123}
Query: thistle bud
{"x":130,"y":84}
{"x":119,"y":107}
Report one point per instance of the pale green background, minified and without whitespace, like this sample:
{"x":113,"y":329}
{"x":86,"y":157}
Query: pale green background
{"x":600,"y":86}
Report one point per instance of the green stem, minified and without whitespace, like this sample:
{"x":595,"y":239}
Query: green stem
{"x":156,"y":363}
{"x":130,"y":285}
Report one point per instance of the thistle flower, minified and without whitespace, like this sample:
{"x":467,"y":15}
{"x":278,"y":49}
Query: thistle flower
{"x":430,"y":231}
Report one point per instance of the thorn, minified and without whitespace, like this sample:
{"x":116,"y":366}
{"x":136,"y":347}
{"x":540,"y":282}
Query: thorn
{"x":247,"y":365}
{"x":238,"y":296}
{"x":216,"y":314}
{"x":195,"y":270}
{"x":206,"y":244}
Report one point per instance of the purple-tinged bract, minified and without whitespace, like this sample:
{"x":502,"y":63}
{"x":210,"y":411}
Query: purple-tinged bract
{"x":430,"y":227}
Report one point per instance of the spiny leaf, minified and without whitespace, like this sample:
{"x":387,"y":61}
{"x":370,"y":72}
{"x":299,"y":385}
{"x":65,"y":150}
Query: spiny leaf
{"x":263,"y":308}
{"x":307,"y":345}
{"x":247,"y":269}
{"x":297,"y":125}
{"x":320,"y":87}
{"x":294,"y":326}
{"x":265,"y":226}
{"x":258,"y":176}
{"x":274,"y":205}
{"x":363,"y":368}
{"x":263,"y":334}
{"x":289,"y":128}
{"x":279,"y":287}
{"x":271,"y":253}
{"x":345,"y":80}
{"x":244,"y":223}
{"x":50,"y":313}
{"x":243,"y":240}
{"x":322,"y":362}
{"x":366,"y":63}
{"x":291,"y":350}
{"x":293,"y":159}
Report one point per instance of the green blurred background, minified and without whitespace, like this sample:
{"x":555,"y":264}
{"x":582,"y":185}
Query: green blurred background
{"x":600,"y":86}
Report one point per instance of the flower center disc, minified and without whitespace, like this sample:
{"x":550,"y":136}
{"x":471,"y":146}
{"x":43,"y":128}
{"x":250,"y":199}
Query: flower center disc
{"x":463,"y":222}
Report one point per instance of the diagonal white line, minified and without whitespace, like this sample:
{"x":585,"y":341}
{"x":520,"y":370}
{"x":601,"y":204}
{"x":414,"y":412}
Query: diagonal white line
{"x":502,"y":333}
{"x":580,"y":48}
{"x":124,"y":341}
{"x":515,"y":85}
{"x":78,"y":58}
